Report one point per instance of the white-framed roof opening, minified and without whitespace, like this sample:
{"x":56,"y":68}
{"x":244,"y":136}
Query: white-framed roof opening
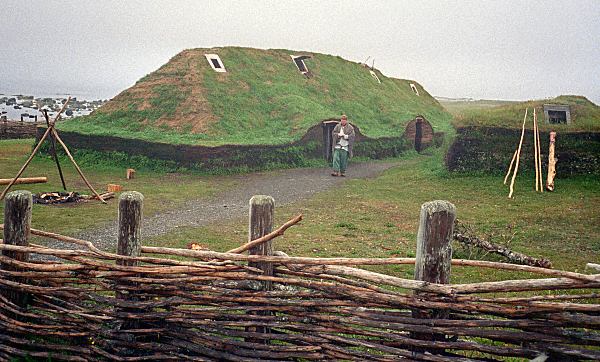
{"x":215,"y":63}
{"x":414,"y":88}
{"x":299,"y":61}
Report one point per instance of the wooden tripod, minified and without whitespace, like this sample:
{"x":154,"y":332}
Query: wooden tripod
{"x":51,"y":130}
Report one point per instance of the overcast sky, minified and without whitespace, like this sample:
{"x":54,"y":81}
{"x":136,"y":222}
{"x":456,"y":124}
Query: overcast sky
{"x":480,"y":49}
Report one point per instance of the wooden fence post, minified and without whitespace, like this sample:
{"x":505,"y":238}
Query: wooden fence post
{"x":434,"y":255}
{"x":129,"y":241}
{"x":17,"y":226}
{"x":260,"y":224}
{"x":130,"y":226}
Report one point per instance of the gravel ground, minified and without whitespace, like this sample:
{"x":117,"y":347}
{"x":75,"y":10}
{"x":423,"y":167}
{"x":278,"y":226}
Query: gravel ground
{"x":285,"y":186}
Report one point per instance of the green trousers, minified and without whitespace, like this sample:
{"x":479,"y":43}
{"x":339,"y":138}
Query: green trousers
{"x":340,"y":160}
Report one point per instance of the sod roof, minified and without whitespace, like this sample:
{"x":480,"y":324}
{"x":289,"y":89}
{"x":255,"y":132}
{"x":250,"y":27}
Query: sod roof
{"x":261,"y":99}
{"x":585,"y":115}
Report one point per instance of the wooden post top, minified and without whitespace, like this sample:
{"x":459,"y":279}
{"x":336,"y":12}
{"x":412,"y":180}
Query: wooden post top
{"x":432,"y":207}
{"x":19,"y":194}
{"x":261,"y":200}
{"x":131,"y":196}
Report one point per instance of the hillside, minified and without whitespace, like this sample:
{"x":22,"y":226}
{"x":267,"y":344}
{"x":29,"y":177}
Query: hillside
{"x":585,"y":115}
{"x":261,"y":99}
{"x":457,"y":106}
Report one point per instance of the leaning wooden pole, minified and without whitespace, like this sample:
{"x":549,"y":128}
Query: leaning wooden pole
{"x":35,"y":150}
{"x":53,"y":151}
{"x":510,"y":167}
{"x":551,"y":163}
{"x":57,"y":137}
{"x":535,"y":151}
{"x":512,"y":182}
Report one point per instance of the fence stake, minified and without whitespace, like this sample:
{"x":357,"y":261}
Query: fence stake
{"x":129,"y":238}
{"x":434,"y":255}
{"x":130,"y":226}
{"x":260,"y":224}
{"x":17,"y":227}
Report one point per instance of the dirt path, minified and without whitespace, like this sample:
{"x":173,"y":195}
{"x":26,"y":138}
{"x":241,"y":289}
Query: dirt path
{"x":286,"y":186}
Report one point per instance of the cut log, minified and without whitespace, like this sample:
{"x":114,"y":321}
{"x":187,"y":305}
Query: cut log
{"x":114,"y":188}
{"x":24,"y":180}
{"x":130,"y":173}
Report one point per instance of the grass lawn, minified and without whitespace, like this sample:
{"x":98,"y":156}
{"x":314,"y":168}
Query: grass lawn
{"x":363,"y":218}
{"x":379,"y":218}
{"x":161,"y":190}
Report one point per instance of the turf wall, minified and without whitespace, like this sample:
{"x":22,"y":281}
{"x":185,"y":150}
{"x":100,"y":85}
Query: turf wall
{"x":14,"y":130}
{"x":490,"y":150}
{"x":252,"y":157}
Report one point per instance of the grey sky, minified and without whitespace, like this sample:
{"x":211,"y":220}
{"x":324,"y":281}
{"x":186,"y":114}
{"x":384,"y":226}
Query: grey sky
{"x":480,"y":49}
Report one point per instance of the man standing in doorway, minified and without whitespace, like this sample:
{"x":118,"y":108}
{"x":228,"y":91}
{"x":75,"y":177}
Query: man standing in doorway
{"x":343,"y":140}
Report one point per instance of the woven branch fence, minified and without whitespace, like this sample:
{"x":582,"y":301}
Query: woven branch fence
{"x":164,"y":304}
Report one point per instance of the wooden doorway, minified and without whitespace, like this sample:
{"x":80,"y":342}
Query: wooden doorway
{"x":419,"y":133}
{"x":328,"y":127}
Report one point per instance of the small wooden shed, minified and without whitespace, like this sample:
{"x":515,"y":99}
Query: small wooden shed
{"x":419,"y":133}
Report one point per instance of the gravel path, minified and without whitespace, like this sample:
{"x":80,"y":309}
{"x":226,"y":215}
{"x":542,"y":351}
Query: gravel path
{"x":286,"y":186}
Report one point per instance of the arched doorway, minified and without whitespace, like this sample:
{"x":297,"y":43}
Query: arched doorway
{"x":419,"y":133}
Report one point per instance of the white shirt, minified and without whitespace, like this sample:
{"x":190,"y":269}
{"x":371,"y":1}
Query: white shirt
{"x":343,"y":142}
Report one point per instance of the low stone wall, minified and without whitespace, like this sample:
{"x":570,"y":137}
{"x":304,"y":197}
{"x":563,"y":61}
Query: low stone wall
{"x":490,"y":150}
{"x":14,"y":130}
{"x":250,"y":157}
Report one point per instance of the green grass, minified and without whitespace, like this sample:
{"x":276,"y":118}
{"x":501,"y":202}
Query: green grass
{"x":379,"y":218}
{"x":161,"y":190}
{"x":585,"y":115}
{"x":458,"y":107}
{"x":364,"y":218}
{"x":262,"y":99}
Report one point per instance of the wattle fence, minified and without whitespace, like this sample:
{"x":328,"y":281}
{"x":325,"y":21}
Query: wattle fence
{"x":164,"y":304}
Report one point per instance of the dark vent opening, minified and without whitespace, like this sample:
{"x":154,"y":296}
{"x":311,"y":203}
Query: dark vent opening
{"x":300,"y":65}
{"x":557,"y":117}
{"x":215,"y":63}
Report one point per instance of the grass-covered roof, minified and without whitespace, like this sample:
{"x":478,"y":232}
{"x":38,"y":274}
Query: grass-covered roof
{"x":261,"y":99}
{"x":585,"y":115}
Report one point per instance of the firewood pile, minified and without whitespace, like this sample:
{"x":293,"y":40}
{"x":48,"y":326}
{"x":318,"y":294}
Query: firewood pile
{"x":181,"y":304}
{"x":58,"y":197}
